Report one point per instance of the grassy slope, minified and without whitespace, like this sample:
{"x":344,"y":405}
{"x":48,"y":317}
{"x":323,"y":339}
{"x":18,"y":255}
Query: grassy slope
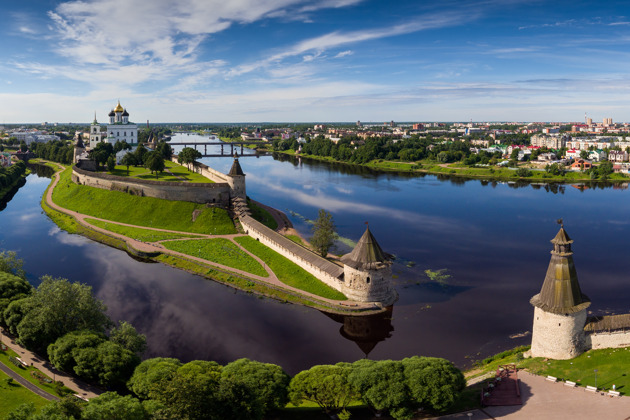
{"x":145,"y":235}
{"x":141,"y":211}
{"x":288,"y":272}
{"x":219,"y":250}
{"x":179,"y":173}
{"x":262,"y":215}
{"x":14,"y":395}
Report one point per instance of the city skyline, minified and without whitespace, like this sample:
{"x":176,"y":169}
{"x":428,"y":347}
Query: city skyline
{"x":331,"y":60}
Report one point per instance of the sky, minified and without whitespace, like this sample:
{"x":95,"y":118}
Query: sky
{"x":314,"y":60}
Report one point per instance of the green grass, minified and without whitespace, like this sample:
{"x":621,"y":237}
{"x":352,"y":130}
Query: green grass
{"x":262,"y":215}
{"x":296,"y":239}
{"x":142,"y":211}
{"x":14,"y":395}
{"x":288,"y":272}
{"x":139,"y":234}
{"x":613,"y":367}
{"x":178,"y":173}
{"x":219,"y":250}
{"x":26,"y":373}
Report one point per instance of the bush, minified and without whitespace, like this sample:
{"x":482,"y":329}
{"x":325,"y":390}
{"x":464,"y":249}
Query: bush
{"x":523,"y":173}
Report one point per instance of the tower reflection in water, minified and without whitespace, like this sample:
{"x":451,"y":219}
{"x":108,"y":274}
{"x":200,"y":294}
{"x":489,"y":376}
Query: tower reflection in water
{"x":366,"y":330}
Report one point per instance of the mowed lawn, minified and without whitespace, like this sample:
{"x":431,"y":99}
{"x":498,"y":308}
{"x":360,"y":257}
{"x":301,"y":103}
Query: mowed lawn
{"x":289,"y":272}
{"x":139,"y":234}
{"x":142,"y":211}
{"x":13,"y":395}
{"x":178,"y":173}
{"x":218,"y":250}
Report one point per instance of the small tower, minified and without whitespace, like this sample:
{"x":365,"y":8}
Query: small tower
{"x":236,"y":179}
{"x":79,"y":149}
{"x":368,"y":272}
{"x":560,"y":307}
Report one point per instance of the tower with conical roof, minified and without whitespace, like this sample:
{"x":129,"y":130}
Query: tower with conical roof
{"x":236,"y":179}
{"x":560,"y":307}
{"x":368,"y":272}
{"x":95,"y":133}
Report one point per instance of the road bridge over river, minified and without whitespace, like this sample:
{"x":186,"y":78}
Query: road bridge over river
{"x":205,"y":145}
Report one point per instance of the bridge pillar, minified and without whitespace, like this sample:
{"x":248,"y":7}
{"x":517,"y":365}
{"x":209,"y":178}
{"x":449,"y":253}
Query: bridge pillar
{"x":241,"y":149}
{"x":205,"y":149}
{"x":231,"y":149}
{"x":221,"y":150}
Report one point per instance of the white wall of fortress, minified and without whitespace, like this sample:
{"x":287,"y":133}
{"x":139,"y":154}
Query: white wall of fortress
{"x":264,"y":234}
{"x":206,"y":171}
{"x":607,"y":340}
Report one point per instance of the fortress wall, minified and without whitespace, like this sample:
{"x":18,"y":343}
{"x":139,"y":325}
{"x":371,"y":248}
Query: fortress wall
{"x":321,"y":268}
{"x":206,"y":171}
{"x":218,"y":193}
{"x":558,"y":336}
{"x":607,"y":340}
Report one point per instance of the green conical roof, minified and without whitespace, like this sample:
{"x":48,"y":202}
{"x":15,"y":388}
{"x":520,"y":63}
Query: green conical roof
{"x":561,"y":293}
{"x":367,"y":253}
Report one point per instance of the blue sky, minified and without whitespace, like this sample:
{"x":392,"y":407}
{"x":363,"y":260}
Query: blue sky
{"x":314,"y":60}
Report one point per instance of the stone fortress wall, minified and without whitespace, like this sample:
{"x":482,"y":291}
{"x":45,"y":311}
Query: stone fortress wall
{"x":203,"y":193}
{"x":607,"y":340}
{"x":558,"y":336}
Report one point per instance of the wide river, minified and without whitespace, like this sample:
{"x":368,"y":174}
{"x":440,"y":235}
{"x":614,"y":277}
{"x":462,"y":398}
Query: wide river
{"x":492,"y":238}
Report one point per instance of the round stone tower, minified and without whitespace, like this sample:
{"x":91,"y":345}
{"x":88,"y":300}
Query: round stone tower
{"x":79,"y":149}
{"x":236,"y":180}
{"x":560,"y":307}
{"x":368,"y":272}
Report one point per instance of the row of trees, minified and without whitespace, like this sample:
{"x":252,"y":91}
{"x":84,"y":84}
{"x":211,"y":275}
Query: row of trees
{"x":56,"y":150}
{"x":9,"y":175}
{"x":187,"y":156}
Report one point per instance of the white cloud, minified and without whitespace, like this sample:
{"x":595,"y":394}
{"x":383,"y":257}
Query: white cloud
{"x":344,"y":54}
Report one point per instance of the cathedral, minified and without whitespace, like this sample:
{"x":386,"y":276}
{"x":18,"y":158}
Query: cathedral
{"x":119,"y":127}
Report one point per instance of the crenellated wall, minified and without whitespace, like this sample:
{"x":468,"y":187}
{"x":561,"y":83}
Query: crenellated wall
{"x":218,"y":193}
{"x":606,"y":340}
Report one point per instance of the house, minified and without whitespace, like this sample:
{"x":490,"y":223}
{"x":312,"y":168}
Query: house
{"x":572,"y":154}
{"x":597,"y":155}
{"x":547,"y":157}
{"x":618,"y":156}
{"x":581,"y":165}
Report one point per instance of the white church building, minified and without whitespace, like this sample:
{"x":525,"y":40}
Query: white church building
{"x":119,"y":127}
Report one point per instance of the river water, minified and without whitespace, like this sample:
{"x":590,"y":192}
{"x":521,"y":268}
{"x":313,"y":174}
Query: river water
{"x":492,"y":238}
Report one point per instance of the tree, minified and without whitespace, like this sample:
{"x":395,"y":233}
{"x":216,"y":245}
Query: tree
{"x":12,"y":288}
{"x":140,"y":153}
{"x":152,"y":374}
{"x":187,"y":156}
{"x":154,"y":162}
{"x":10,"y":263}
{"x":128,"y":160}
{"x":433,"y":382}
{"x":59,"y":307}
{"x":381,"y":385}
{"x":584,"y":154}
{"x":523,"y":173}
{"x":111,"y":163}
{"x":325,"y":385}
{"x":112,"y":406}
{"x":269,"y":382}
{"x":324,"y":232}
{"x":62,"y":353}
{"x":127,"y":336}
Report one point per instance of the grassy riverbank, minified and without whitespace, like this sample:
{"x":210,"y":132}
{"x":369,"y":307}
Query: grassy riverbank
{"x":491,"y":173}
{"x":12,"y":395}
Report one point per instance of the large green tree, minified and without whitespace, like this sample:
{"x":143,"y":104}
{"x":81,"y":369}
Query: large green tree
{"x":111,"y":406}
{"x":324,"y":232}
{"x":324,"y":385}
{"x":59,"y":307}
{"x":62,"y":353}
{"x":10,"y":263}
{"x":152,"y":374}
{"x":382,"y":387}
{"x":154,"y":162}
{"x":127,"y":336}
{"x":12,"y":288}
{"x":433,"y":382}
{"x":129,"y":160}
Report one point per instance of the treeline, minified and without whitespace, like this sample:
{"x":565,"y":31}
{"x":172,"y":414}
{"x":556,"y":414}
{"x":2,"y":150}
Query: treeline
{"x":56,"y":150}
{"x":10,"y":174}
{"x":364,"y":151}
{"x":66,"y":322}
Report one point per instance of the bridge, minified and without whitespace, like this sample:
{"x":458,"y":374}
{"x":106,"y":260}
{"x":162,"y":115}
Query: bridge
{"x":217,"y":143}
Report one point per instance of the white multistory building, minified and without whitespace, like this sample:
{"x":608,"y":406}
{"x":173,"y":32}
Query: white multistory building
{"x":119,"y":127}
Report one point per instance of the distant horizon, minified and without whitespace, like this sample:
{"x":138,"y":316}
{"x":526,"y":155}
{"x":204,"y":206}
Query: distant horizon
{"x":312,"y":60}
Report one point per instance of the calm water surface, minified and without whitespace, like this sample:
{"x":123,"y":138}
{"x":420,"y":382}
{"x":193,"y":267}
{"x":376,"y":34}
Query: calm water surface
{"x":492,"y":238}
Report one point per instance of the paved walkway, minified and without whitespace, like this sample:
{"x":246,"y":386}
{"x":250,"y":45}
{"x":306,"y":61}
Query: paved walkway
{"x":26,"y":384}
{"x":30,"y":358}
{"x":153,"y":247}
{"x":547,"y":400}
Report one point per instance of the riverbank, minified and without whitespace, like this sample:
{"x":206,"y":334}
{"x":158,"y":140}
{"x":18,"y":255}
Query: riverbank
{"x":458,"y":170}
{"x":269,"y":286}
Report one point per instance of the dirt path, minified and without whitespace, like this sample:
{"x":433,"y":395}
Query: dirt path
{"x":157,"y":247}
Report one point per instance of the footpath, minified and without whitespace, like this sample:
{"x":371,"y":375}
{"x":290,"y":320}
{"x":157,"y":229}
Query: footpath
{"x":79,"y":387}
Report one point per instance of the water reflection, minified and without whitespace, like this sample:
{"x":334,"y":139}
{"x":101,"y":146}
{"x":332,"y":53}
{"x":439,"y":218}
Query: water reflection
{"x":367,"y":330}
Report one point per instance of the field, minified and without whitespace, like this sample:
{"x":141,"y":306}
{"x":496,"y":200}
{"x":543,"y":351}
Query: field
{"x":142,"y":211}
{"x":13,"y":395}
{"x":177,"y":173}
{"x":218,"y":250}
{"x":288,"y":272}
{"x":139,"y":234}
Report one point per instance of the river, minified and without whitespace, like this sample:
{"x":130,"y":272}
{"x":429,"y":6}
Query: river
{"x":492,"y":238}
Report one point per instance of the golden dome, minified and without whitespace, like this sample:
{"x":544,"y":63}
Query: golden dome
{"x":119,"y":108}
